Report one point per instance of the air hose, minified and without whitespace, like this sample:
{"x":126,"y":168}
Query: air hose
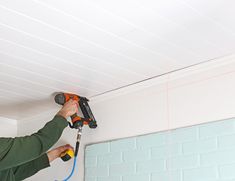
{"x":72,"y":172}
{"x":79,"y":134}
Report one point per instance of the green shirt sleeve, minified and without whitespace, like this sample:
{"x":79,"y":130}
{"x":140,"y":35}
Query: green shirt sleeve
{"x":30,"y":168}
{"x":19,"y":150}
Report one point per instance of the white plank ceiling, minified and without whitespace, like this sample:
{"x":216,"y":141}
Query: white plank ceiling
{"x":93,"y":46}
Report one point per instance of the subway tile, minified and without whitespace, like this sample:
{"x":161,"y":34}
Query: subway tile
{"x":136,"y":155}
{"x":139,"y":177}
{"x":202,"y":173}
{"x":183,"y":162}
{"x":153,"y":165}
{"x":167,"y":176}
{"x":87,"y":178}
{"x":227,"y":171}
{"x":217,"y":128}
{"x":110,"y":158}
{"x":123,"y":144}
{"x":218,"y":157}
{"x":151,"y":140}
{"x":200,"y":146}
{"x":166,"y":151}
{"x":90,"y":161}
{"x":122,"y":169}
{"x":97,"y":149}
{"x":226,"y":141}
{"x":117,"y":178}
{"x":183,"y":135}
{"x":96,"y":171}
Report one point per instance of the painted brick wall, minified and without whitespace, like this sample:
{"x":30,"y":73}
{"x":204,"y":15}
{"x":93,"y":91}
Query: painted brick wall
{"x":199,"y":153}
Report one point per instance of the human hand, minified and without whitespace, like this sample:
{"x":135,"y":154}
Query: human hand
{"x":69,"y":108}
{"x":55,"y":153}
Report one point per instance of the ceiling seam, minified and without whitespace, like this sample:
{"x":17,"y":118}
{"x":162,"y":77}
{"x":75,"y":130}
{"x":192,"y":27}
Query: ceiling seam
{"x":185,"y":28}
{"x":22,"y":95}
{"x":74,"y":51}
{"x":47,"y":77}
{"x":56,"y":57}
{"x":138,"y":27}
{"x":224,"y":28}
{"x":70,"y":34}
{"x":32,"y":82}
{"x":8,"y":98}
{"x":18,"y":86}
{"x":42,"y":85}
{"x":101,"y":29}
{"x":17,"y":57}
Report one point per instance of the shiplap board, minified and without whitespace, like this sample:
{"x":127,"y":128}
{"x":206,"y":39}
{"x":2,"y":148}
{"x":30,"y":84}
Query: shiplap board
{"x":90,"y":47}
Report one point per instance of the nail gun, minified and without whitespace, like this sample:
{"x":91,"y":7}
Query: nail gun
{"x":77,"y":121}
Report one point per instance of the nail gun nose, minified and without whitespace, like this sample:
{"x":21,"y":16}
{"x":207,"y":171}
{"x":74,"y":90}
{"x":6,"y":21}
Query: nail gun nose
{"x":60,"y":99}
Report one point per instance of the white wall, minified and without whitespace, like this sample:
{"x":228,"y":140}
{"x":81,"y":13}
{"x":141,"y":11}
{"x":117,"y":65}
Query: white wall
{"x":196,"y":95}
{"x":8,"y":127}
{"x":193,"y":96}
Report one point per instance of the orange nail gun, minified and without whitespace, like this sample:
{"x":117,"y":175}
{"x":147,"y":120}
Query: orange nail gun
{"x":77,"y":121}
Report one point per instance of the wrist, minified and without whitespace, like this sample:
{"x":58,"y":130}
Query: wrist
{"x":62,"y":113}
{"x":51,"y":156}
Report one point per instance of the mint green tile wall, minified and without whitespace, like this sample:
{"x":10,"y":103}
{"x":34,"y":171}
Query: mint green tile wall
{"x":198,"y":153}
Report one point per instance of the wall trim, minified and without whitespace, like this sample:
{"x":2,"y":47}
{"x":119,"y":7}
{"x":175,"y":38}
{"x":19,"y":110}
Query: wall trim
{"x":207,"y":70}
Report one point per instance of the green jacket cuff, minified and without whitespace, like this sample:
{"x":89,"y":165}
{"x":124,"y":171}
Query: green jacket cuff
{"x":62,"y":122}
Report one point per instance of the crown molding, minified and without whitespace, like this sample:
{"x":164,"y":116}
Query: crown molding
{"x":203,"y":71}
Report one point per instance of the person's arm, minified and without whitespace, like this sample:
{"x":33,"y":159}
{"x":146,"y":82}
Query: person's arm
{"x":19,"y":150}
{"x":30,"y":168}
